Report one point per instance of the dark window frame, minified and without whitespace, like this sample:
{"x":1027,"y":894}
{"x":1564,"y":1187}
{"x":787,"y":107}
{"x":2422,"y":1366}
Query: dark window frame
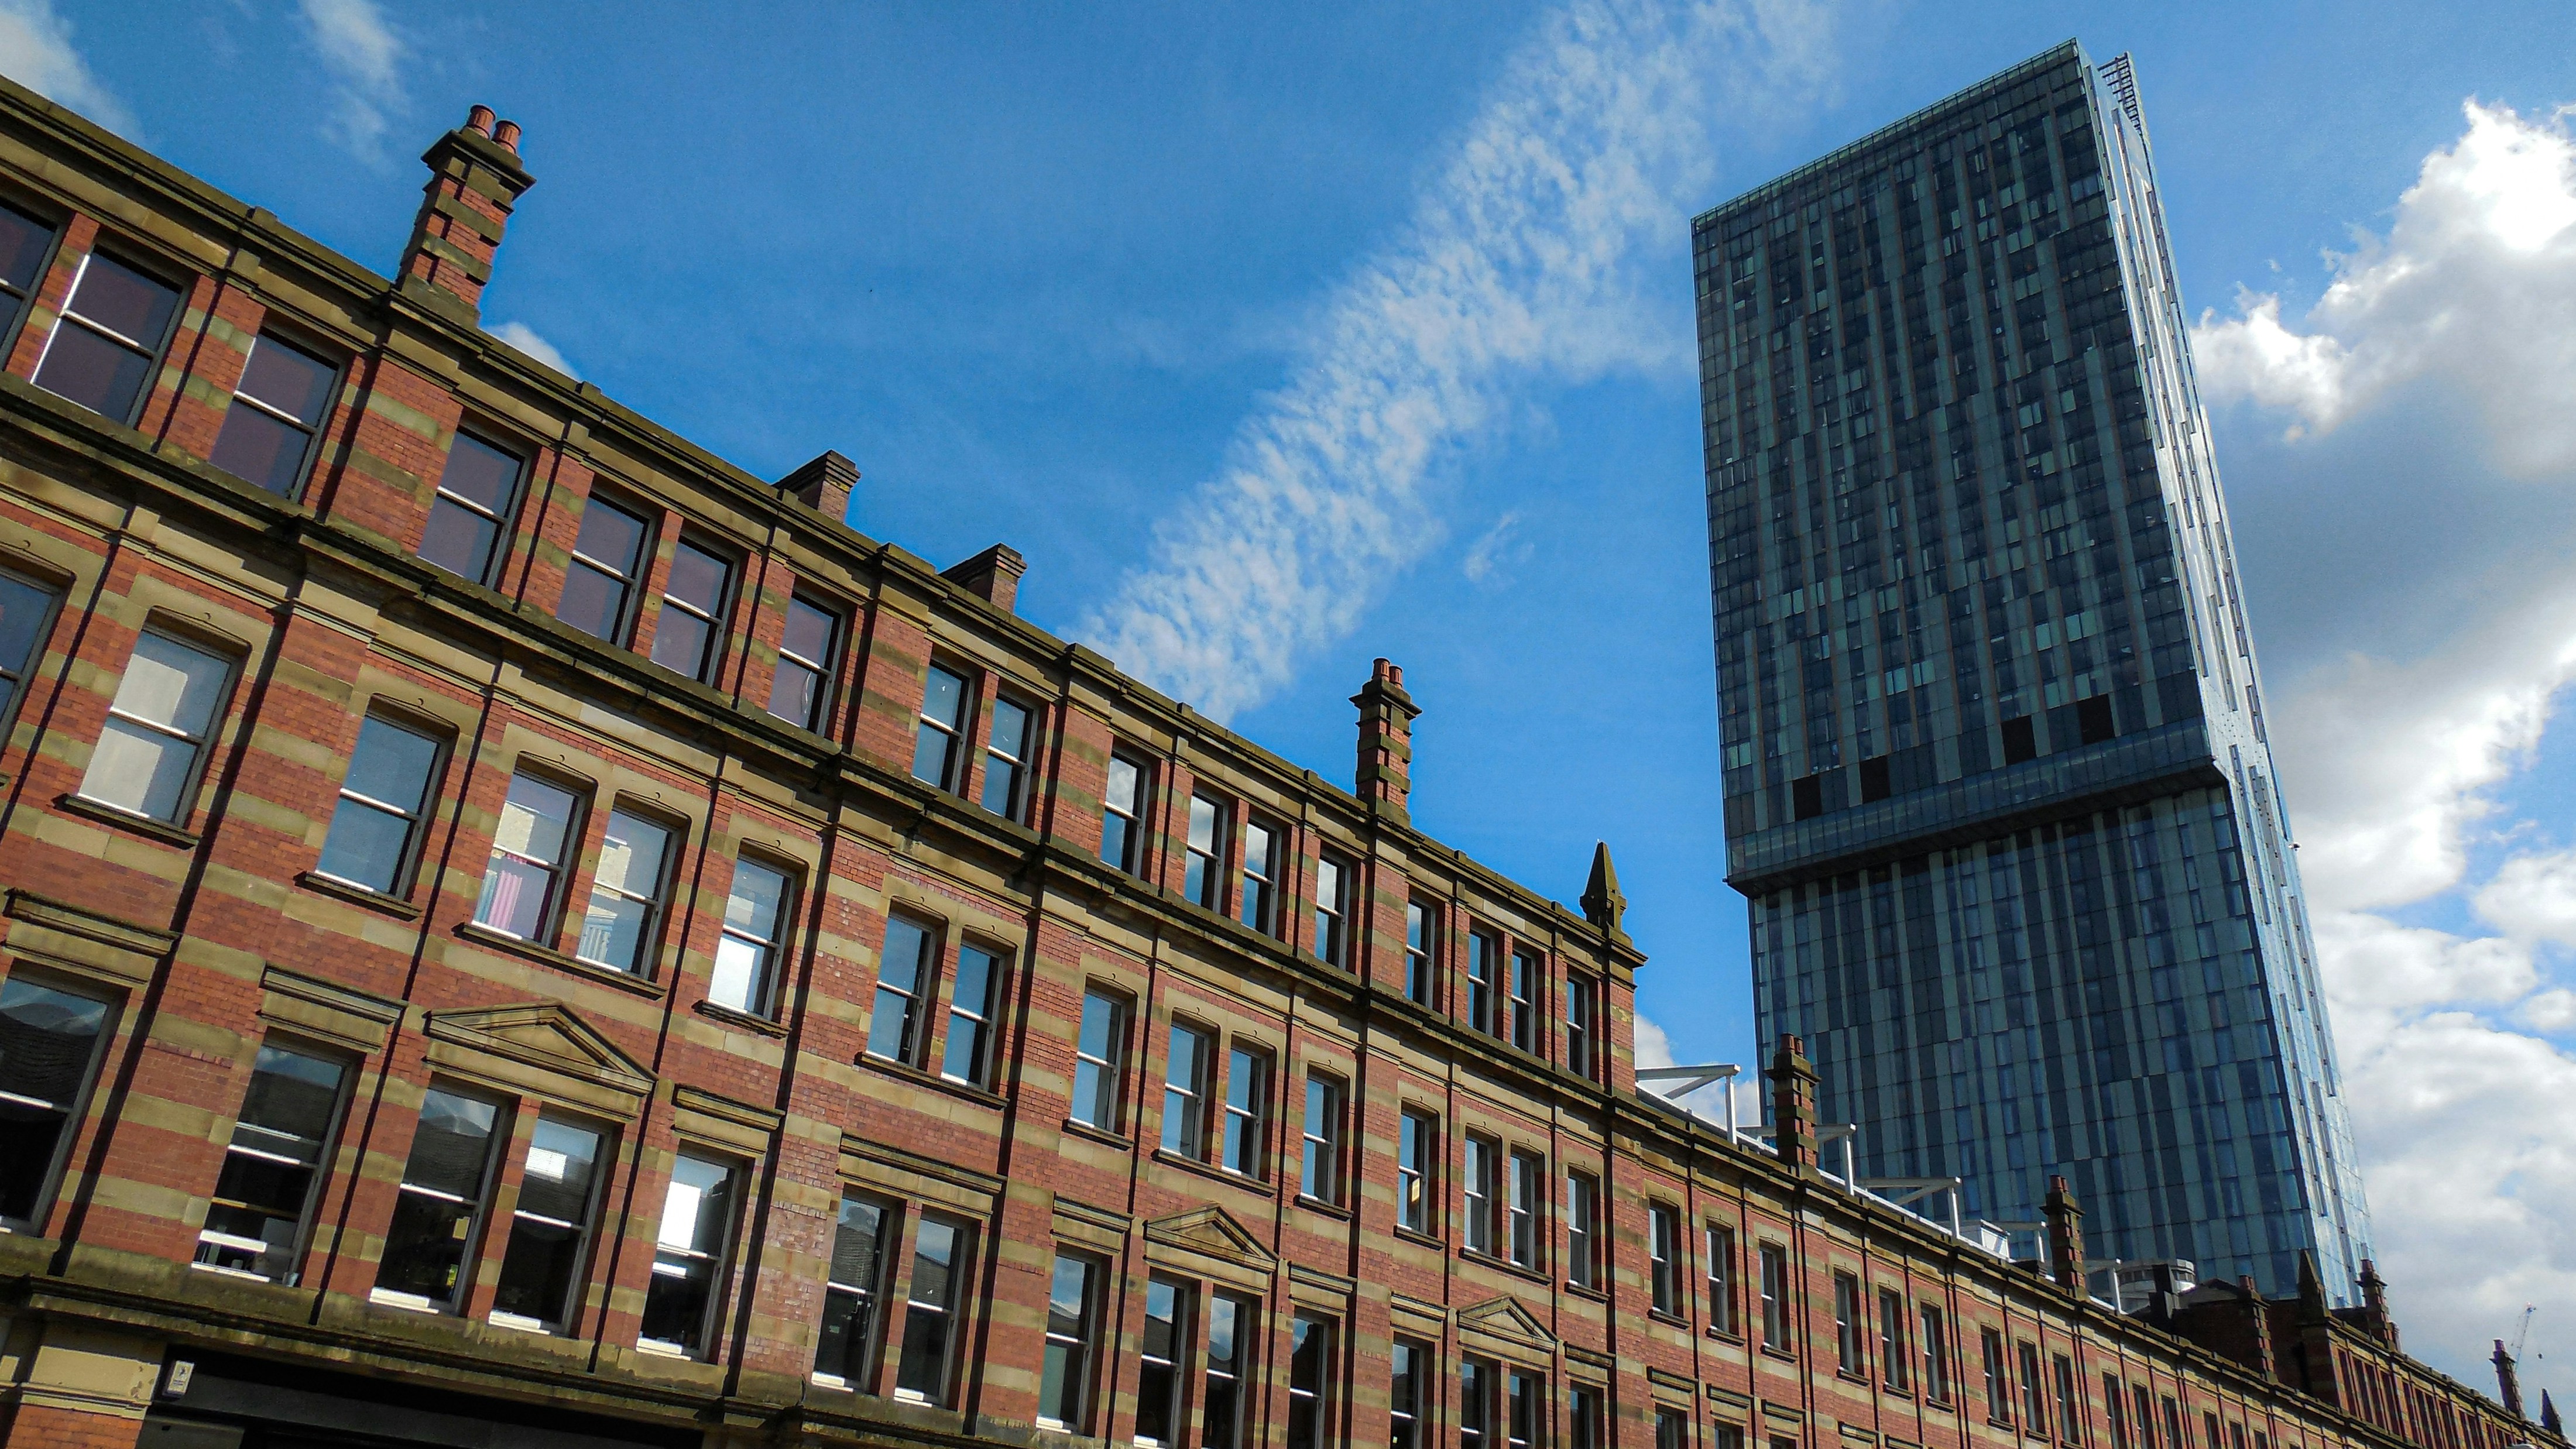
{"x":76,"y":1106}
{"x":717,"y":618}
{"x":154,"y":351}
{"x":316,"y":433}
{"x":505,"y":522}
{"x":630,"y":585}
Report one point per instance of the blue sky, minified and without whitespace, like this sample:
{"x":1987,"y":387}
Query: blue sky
{"x":1046,"y":270}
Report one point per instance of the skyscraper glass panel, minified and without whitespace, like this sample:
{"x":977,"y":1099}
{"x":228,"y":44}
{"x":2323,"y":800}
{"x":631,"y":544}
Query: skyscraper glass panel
{"x":1997,"y":782}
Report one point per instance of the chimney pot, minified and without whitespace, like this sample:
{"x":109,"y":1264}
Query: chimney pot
{"x":479,"y":120}
{"x":506,"y":135}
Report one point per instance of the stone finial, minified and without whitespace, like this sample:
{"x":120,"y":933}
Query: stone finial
{"x":2508,"y":1384}
{"x":824,"y":485}
{"x":1385,"y":778}
{"x":1602,"y":903}
{"x":474,"y":180}
{"x":2312,"y":1288}
{"x":1793,"y":1107}
{"x":2549,"y":1419}
{"x":2065,"y":1237}
{"x":993,"y":575}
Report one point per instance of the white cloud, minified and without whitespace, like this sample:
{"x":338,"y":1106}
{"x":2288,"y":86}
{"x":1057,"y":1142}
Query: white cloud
{"x":2403,"y":768}
{"x":363,"y":55}
{"x":2533,"y":898}
{"x":36,"y":51}
{"x":1654,"y":1049}
{"x":1494,"y":550}
{"x":524,"y":337}
{"x":2474,"y":285}
{"x":2392,"y":763}
{"x":1517,"y":263}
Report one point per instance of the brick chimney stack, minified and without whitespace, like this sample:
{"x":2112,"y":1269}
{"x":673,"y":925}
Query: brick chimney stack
{"x":474,"y":179}
{"x":1385,"y":776}
{"x":1793,"y":1107}
{"x":2374,"y":1303}
{"x":2065,"y":1237}
{"x":993,"y":576}
{"x":824,"y":485}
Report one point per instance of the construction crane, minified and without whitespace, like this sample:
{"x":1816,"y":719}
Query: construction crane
{"x":2523,"y":1335}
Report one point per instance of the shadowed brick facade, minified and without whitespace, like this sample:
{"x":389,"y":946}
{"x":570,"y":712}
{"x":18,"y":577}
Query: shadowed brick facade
{"x":798,"y":1222}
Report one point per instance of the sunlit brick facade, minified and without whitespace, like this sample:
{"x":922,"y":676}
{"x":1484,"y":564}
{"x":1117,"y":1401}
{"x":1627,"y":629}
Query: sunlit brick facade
{"x":518,"y":933}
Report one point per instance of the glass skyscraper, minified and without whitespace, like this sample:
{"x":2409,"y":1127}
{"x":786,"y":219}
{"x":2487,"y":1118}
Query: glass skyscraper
{"x":1997,"y":782}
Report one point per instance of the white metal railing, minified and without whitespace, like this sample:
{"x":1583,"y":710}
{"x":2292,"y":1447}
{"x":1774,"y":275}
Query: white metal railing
{"x":1902,"y":1194}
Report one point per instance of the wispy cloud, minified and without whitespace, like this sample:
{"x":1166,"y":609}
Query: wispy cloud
{"x":524,"y":337}
{"x":36,"y":51}
{"x":1517,"y":264}
{"x":363,"y":54}
{"x":1494,"y":551}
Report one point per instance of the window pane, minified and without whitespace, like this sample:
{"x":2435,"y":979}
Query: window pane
{"x":171,"y":685}
{"x":291,"y":380}
{"x":593,"y":602}
{"x":969,"y":1017}
{"x":518,"y":883}
{"x":1066,"y":1371}
{"x":697,"y":577}
{"x":23,"y":241}
{"x":1229,"y":1335}
{"x":850,"y":1295}
{"x":809,"y":631}
{"x":680,"y":642}
{"x":942,"y":695}
{"x":1158,"y":1381}
{"x":87,"y":368}
{"x":442,"y":1192}
{"x":746,"y":951}
{"x":48,"y":1039}
{"x":619,"y":921}
{"x":371,"y":828}
{"x":901,"y":971}
{"x":24,"y":608}
{"x":147,"y":752}
{"x":458,"y":539}
{"x":610,"y":537}
{"x":480,"y":474}
{"x":548,"y":1230}
{"x":255,"y":1222}
{"x":1096,"y":1059}
{"x":124,"y":300}
{"x":690,"y":1243}
{"x":258,"y":448}
{"x":937,"y":1256}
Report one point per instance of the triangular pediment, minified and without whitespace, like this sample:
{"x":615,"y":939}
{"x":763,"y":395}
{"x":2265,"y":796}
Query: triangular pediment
{"x":1505,"y":1317}
{"x":546,"y":1035}
{"x":1213,"y":1231}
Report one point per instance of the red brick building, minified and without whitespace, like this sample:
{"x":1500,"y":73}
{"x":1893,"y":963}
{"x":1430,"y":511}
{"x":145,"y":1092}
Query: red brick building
{"x":518,"y":933}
